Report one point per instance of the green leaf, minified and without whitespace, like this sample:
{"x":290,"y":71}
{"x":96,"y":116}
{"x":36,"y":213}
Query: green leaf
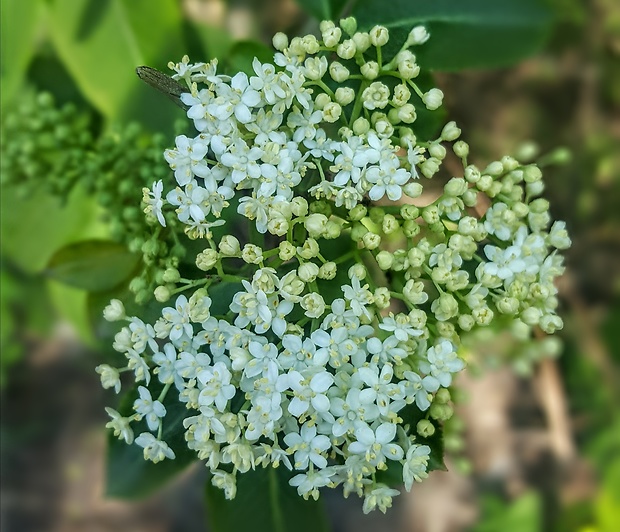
{"x":70,"y":304}
{"x":324,"y":9}
{"x":19,"y":21}
{"x":464,"y":33}
{"x":265,"y":502}
{"x":129,"y":476}
{"x":101,"y":42}
{"x":243,"y":53}
{"x":93,"y":265}
{"x":33,"y":227}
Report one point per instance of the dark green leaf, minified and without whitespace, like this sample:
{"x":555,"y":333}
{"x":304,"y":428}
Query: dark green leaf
{"x":243,"y":53}
{"x":129,"y":476}
{"x":265,"y":502}
{"x":464,"y":33}
{"x":324,"y":9}
{"x":93,"y":265}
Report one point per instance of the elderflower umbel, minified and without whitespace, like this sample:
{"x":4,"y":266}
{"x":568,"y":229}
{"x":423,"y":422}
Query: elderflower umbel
{"x":284,"y":349}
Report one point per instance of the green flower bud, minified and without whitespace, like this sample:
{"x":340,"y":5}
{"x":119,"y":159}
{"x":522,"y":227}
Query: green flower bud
{"x":328,"y":271}
{"x":349,"y":25}
{"x":442,"y":396}
{"x":411,"y":229}
{"x":416,"y":257}
{"x":357,"y":213}
{"x":461,"y":149}
{"x":385,"y":260}
{"x":441,"y":412}
{"x":114,"y":311}
{"x":531,"y":316}
{"x":472,"y":174}
{"x":382,"y":297}
{"x":450,"y":132}
{"x":332,"y":112}
{"x":346,"y":49}
{"x":432,"y":99}
{"x":207,"y":259}
{"x":508,"y":305}
{"x":413,"y":190}
{"x":338,"y":72}
{"x":535,"y":189}
{"x":531,"y":174}
{"x":456,"y":187}
{"x":430,"y":167}
{"x":357,"y":270}
{"x":299,"y":206}
{"x":358,"y":231}
{"x":370,"y":70}
{"x":308,"y":272}
{"x":316,"y":224}
{"x":280,"y":41}
{"x":229,"y":246}
{"x":379,"y":36}
{"x":390,"y":224}
{"x":162,"y":294}
{"x":425,"y":428}
{"x":466,"y":322}
{"x":309,"y":250}
{"x":286,"y":250}
{"x":252,"y":254}
{"x":484,"y":183}
{"x":470,"y":197}
{"x":361,"y":126}
{"x":430,"y":214}
{"x":171,"y":275}
{"x":371,"y":240}
{"x":495,"y":169}
{"x":344,"y":95}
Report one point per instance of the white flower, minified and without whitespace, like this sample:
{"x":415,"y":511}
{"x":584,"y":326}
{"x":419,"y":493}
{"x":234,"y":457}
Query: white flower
{"x":442,"y":362}
{"x":153,"y":411}
{"x":388,"y":179}
{"x":154,"y":450}
{"x":380,"y":497}
{"x":109,"y":377}
{"x":188,"y":159}
{"x":120,"y":425}
{"x":416,"y":463}
{"x":308,"y":447}
{"x":308,"y":484}
{"x":376,"y":444}
{"x":216,"y":386}
{"x":307,"y":392}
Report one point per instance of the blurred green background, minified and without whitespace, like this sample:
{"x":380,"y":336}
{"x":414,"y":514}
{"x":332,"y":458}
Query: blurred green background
{"x":536,"y":444}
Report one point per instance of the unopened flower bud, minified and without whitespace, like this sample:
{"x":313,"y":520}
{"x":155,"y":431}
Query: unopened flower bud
{"x":432,"y":99}
{"x":461,"y":149}
{"x":252,"y":254}
{"x":162,"y":293}
{"x":286,"y":250}
{"x":346,"y":49}
{"x":280,"y":41}
{"x":371,"y":240}
{"x":450,"y":132}
{"x":425,"y":428}
{"x":308,"y":272}
{"x":206,"y":259}
{"x":418,"y":35}
{"x":344,"y":95}
{"x":357,"y":270}
{"x":379,"y":36}
{"x":338,"y":72}
{"x":385,"y":260}
{"x":114,"y":310}
{"x":229,"y":246}
{"x":382,"y":297}
{"x":328,"y":271}
{"x":315,"y":224}
{"x":370,"y":70}
{"x":361,"y":126}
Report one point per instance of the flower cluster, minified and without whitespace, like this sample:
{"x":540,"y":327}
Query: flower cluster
{"x":323,"y":334}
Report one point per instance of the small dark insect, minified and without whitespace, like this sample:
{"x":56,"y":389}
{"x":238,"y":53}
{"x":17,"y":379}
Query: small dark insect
{"x":163,"y":83}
